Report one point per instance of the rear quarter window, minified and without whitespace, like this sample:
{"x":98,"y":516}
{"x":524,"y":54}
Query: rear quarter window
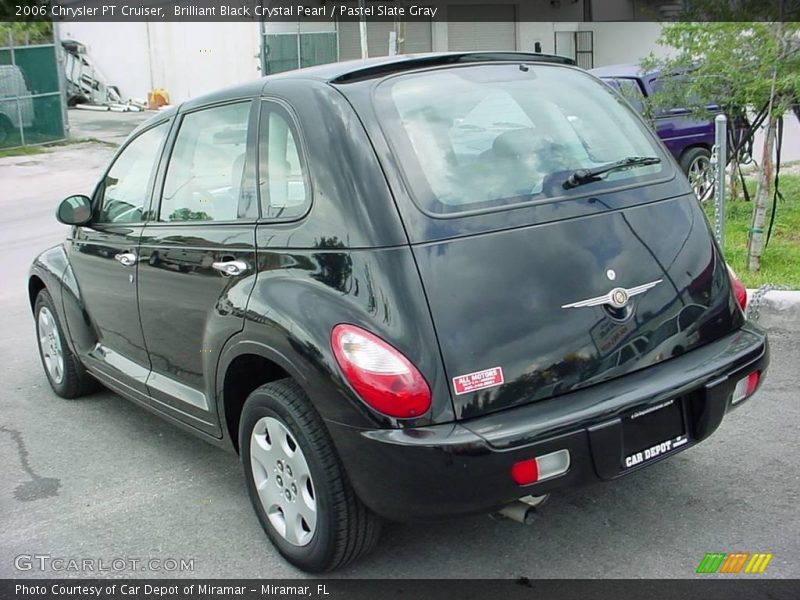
{"x":284,"y":184}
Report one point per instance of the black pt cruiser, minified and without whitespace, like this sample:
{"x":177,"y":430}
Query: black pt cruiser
{"x":402,"y":288}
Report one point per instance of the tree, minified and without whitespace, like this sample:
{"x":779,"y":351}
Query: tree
{"x":746,"y":67}
{"x":25,"y":33}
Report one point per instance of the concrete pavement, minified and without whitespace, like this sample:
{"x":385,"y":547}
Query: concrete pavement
{"x":106,"y":126}
{"x":777,"y":309}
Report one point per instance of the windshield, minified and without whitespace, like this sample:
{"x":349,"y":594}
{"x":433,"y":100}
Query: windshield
{"x":493,"y":135}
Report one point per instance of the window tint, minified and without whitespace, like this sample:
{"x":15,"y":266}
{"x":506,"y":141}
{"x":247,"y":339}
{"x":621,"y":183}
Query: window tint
{"x":492,"y":135}
{"x":205,"y":175}
{"x":125,"y":190}
{"x":283,"y":183}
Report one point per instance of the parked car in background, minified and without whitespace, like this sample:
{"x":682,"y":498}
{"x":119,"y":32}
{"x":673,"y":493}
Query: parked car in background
{"x":14,"y":114}
{"x":403,"y":288}
{"x":690,"y":140}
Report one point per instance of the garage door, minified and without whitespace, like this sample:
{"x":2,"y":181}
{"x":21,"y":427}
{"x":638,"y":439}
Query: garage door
{"x":418,"y":38}
{"x":481,"y":27}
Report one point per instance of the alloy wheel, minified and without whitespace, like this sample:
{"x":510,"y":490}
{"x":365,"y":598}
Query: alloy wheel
{"x":700,"y":177}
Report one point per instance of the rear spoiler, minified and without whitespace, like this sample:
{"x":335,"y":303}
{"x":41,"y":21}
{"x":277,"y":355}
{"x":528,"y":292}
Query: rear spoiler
{"x":407,"y":63}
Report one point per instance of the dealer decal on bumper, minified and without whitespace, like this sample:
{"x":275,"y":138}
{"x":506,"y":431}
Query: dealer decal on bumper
{"x":479,"y":380}
{"x":638,"y":458}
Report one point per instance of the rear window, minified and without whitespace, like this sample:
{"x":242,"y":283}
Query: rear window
{"x":480,"y":137}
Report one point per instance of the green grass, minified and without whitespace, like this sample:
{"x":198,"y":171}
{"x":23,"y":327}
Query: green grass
{"x":780,"y":262}
{"x":39,"y":149}
{"x":20,"y":151}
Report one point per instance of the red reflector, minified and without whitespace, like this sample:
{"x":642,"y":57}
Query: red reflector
{"x":746,"y":387}
{"x":525,"y":471}
{"x":752,"y":382}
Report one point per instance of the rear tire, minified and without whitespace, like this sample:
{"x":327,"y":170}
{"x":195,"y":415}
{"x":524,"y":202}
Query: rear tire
{"x":696,"y":165}
{"x":297,"y":483}
{"x":64,"y":371}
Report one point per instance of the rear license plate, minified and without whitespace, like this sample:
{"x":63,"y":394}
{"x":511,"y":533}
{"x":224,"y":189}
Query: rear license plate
{"x":651,"y":432}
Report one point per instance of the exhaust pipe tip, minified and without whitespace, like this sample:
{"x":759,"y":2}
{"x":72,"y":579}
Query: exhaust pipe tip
{"x":524,"y":510}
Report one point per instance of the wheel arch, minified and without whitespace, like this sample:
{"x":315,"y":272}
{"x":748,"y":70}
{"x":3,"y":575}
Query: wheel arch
{"x":35,"y":285}
{"x":701,"y":145}
{"x":243,"y":367}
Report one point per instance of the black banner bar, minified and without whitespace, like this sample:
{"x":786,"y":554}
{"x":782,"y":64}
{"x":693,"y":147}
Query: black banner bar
{"x":390,"y":10}
{"x":705,"y":587}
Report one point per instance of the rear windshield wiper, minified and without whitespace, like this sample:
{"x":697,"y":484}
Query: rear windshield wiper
{"x":582,"y":176}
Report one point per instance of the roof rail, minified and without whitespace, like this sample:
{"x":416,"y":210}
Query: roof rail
{"x":404,"y":63}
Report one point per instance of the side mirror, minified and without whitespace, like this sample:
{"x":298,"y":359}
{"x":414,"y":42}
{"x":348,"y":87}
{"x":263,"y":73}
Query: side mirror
{"x":74,"y":210}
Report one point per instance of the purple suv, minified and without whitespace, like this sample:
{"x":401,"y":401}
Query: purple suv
{"x":688,"y":139}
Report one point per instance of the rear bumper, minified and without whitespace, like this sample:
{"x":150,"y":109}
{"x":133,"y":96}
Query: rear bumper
{"x":464,"y":467}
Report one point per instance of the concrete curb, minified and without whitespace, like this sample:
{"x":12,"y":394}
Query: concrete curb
{"x":779,"y":309}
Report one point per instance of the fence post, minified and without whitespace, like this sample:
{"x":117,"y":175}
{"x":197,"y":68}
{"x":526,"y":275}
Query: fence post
{"x":62,"y":77}
{"x":721,"y":156}
{"x":19,"y":106}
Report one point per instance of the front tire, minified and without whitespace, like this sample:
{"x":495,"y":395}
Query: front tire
{"x":297,"y":483}
{"x":66,"y":374}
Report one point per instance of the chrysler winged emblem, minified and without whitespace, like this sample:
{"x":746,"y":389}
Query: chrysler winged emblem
{"x":618,"y":297}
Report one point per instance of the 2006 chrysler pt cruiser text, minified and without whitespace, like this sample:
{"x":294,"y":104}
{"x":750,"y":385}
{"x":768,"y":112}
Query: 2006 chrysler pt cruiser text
{"x":402,"y":288}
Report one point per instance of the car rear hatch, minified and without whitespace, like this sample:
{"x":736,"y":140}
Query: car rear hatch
{"x":512,"y":301}
{"x":537,"y":289}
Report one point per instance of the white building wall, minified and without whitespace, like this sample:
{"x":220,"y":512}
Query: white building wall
{"x":116,"y":49}
{"x":628,"y":43}
{"x":186,"y":59}
{"x":189,"y":59}
{"x":530,"y":25}
{"x":300,"y":27}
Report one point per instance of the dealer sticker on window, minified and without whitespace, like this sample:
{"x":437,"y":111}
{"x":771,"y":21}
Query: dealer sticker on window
{"x":479,"y":380}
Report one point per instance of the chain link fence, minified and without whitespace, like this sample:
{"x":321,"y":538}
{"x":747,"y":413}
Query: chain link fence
{"x":31,"y":101}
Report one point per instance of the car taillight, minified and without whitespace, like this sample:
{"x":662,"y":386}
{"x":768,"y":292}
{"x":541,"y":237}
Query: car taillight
{"x":384,"y":378}
{"x":738,"y":289}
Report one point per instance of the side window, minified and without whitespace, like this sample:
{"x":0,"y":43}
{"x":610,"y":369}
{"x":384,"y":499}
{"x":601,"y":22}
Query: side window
{"x":631,"y":91}
{"x":204,"y":180}
{"x":283,"y":180}
{"x":125,"y":190}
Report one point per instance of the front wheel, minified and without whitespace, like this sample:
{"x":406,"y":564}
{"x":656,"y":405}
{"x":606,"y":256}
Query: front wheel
{"x":297,"y":484}
{"x":64,"y":371}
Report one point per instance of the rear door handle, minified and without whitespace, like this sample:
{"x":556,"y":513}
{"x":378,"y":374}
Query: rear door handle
{"x":128,"y":259}
{"x":230,"y":267}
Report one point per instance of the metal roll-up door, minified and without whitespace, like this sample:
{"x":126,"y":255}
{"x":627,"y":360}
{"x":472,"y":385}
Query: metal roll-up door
{"x":418,"y":38}
{"x":481,"y":27}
